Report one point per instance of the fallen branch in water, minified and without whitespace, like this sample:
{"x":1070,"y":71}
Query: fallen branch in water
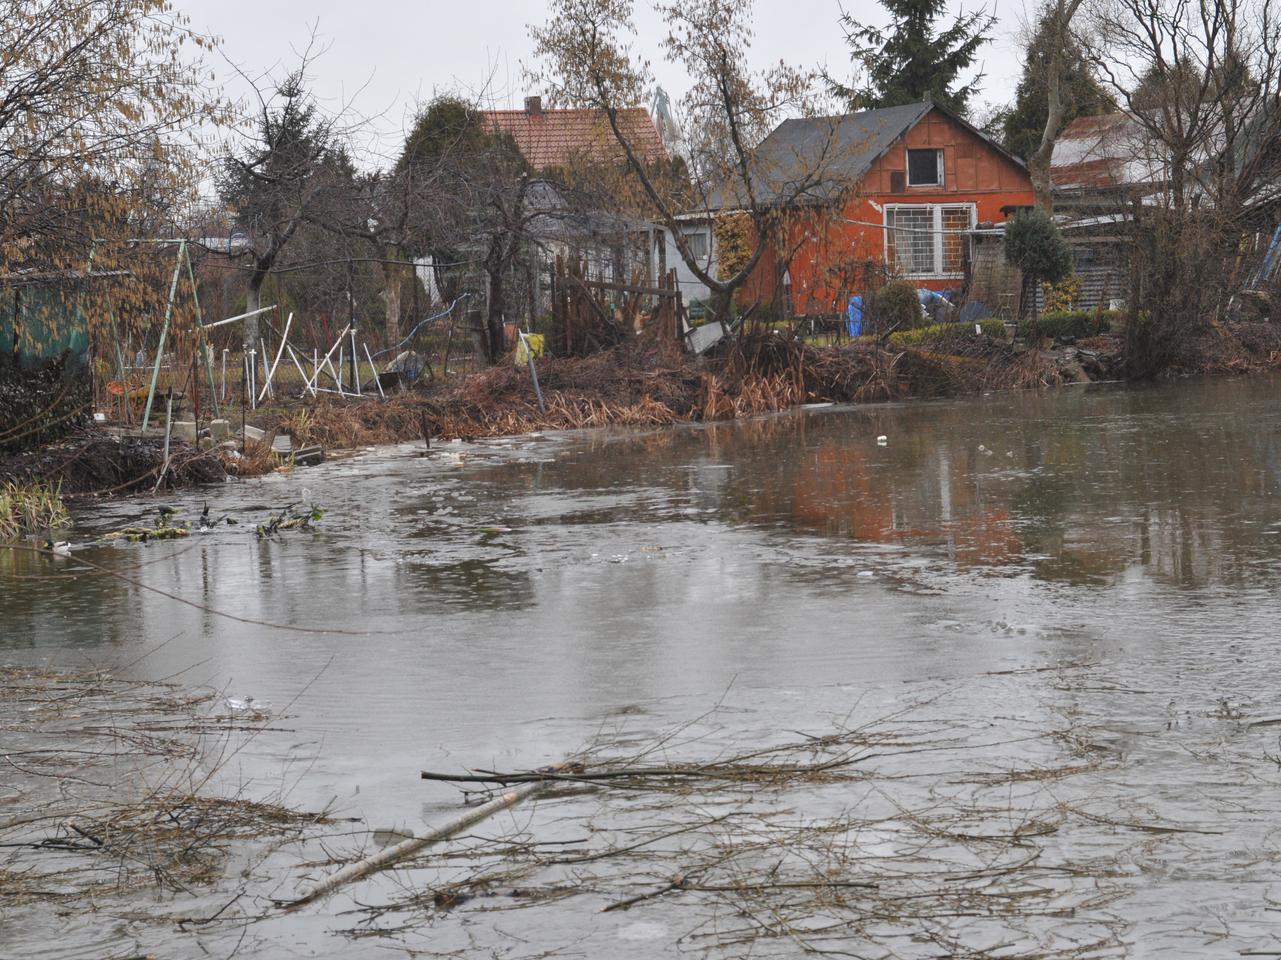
{"x":406,"y":848}
{"x":726,"y":770}
{"x":143,"y":534}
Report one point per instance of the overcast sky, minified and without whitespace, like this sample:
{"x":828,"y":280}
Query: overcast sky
{"x":387,"y":55}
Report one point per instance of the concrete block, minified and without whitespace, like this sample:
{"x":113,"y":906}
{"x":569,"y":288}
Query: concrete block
{"x":220,"y":429}
{"x":184,"y":430}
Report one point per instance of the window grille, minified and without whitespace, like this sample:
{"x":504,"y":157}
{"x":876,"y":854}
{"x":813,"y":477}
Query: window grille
{"x":927,"y":239}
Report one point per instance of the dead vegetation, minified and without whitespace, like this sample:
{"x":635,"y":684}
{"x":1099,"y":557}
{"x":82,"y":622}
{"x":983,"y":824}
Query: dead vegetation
{"x":828,"y":843}
{"x":111,"y":789}
{"x":90,"y":462}
{"x":643,"y":384}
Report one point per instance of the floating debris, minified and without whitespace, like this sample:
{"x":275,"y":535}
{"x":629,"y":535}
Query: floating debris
{"x":247,"y":705}
{"x":289,"y":519}
{"x":145,"y":534}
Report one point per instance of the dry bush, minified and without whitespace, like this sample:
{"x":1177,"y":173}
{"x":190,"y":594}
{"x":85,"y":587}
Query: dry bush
{"x":255,"y":460}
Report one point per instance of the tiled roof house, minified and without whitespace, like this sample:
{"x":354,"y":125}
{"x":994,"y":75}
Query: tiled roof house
{"x":555,"y":138}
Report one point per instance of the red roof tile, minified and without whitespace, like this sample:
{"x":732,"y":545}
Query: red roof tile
{"x":550,"y":138}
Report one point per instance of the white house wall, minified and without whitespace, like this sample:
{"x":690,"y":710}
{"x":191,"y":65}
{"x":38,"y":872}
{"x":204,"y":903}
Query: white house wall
{"x":690,"y":286}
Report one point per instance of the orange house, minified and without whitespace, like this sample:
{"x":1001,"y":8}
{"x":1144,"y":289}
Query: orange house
{"x":889,"y":192}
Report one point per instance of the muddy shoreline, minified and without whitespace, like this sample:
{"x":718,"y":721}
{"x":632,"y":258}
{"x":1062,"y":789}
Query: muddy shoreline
{"x":637,"y":385}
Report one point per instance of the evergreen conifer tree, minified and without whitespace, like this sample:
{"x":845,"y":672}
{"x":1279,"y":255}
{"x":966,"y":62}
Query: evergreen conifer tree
{"x":910,"y":60}
{"x":1023,"y":124}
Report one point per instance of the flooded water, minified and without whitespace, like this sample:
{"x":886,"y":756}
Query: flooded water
{"x":1088,"y":576}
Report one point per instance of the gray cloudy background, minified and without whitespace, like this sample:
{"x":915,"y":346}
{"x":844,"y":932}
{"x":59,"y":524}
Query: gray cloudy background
{"x":384,"y":57}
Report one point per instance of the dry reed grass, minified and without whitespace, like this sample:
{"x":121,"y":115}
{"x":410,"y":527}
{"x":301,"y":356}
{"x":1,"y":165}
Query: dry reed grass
{"x":645,"y":385}
{"x":31,"y":509}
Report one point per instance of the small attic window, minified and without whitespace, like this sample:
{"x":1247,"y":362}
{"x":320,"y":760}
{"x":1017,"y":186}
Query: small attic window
{"x":925,"y":168}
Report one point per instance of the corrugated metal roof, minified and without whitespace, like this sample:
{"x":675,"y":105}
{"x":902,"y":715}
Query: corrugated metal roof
{"x":556,"y":138}
{"x":1105,"y":150}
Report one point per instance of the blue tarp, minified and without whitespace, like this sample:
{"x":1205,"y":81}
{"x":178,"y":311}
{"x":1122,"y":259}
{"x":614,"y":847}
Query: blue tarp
{"x":854,"y":316}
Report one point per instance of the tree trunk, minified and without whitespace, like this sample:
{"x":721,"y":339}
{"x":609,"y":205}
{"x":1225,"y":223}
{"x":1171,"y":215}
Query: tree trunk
{"x":494,"y":315}
{"x":721,"y":306}
{"x":253,"y":301}
{"x":393,"y":282}
{"x":1038,"y":168}
{"x":1038,"y":164}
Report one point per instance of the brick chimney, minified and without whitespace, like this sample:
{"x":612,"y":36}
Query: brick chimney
{"x":534,"y":106}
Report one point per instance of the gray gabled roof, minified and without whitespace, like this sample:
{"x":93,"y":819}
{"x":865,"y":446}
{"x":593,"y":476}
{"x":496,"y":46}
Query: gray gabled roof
{"x":853,"y":142}
{"x":842,"y":147}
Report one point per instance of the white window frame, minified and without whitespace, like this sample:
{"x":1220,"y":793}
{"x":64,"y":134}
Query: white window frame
{"x":936,"y":210}
{"x":705,"y":234}
{"x":907,"y":167}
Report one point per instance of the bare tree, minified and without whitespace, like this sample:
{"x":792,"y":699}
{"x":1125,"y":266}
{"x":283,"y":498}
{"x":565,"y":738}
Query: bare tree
{"x":1203,"y":82}
{"x":466,"y":190}
{"x":291,"y":170}
{"x":586,"y":61}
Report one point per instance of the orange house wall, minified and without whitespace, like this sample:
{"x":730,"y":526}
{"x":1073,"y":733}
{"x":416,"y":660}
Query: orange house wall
{"x":973,"y":172}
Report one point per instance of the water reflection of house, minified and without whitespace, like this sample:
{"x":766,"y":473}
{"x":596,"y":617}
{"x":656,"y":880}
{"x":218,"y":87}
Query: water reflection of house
{"x":840,"y":490}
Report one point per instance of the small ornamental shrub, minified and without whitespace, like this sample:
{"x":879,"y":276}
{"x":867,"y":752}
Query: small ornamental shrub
{"x":1070,"y":323}
{"x":1034,"y":245}
{"x":1061,"y":297}
{"x":946,"y":331}
{"x":896,"y":306}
